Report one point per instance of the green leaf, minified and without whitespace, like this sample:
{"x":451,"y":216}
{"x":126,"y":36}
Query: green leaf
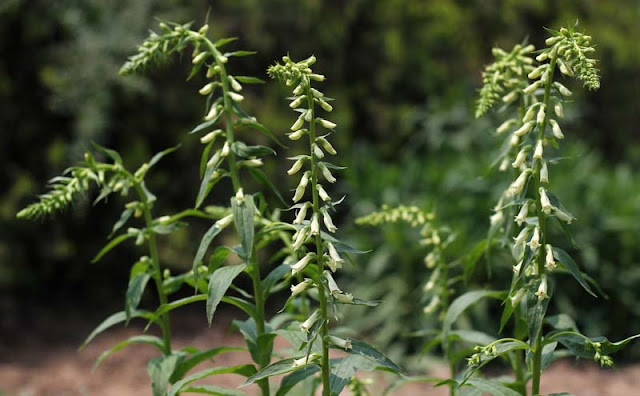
{"x":260,"y":128}
{"x":274,"y":276}
{"x":361,"y":348}
{"x":204,"y":245}
{"x":113,"y":320}
{"x":244,"y":370}
{"x":243,"y":214}
{"x":108,"y":152}
{"x":562,"y":322}
{"x":580,"y":347}
{"x":135,"y":290}
{"x":206,"y":124}
{"x":240,"y":53}
{"x":224,"y":41}
{"x":536,"y":310}
{"x":244,"y":305}
{"x":213,"y":390}
{"x":561,"y":394}
{"x":249,"y":80}
{"x":280,"y":367}
{"x":185,"y":365}
{"x":206,"y":184}
{"x":164,"y":308}
{"x":471,"y":336}
{"x":492,"y":387}
{"x":501,"y":349}
{"x":572,"y":267}
{"x":140,"y":339}
{"x":343,"y":370}
{"x":218,"y":284}
{"x":296,"y":377}
{"x":547,"y":354}
{"x":166,"y":229}
{"x":242,"y":150}
{"x":124,"y":217}
{"x":112,"y":243}
{"x":261,"y":177}
{"x":471,"y":259}
{"x":218,"y":257}
{"x":154,"y":160}
{"x":460,"y":304}
{"x":160,"y":370}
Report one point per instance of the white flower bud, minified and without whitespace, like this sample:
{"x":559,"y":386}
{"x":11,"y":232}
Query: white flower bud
{"x":532,"y":88}
{"x":315,"y":224}
{"x":303,"y":361}
{"x":517,"y":186}
{"x":239,"y":196}
{"x":326,"y":124}
{"x":528,"y":116}
{"x":302,"y":213}
{"x":296,"y":102}
{"x":566,"y":217}
{"x":207,"y":89}
{"x":522,"y":237}
{"x":557,"y":108}
{"x":300,"y":237}
{"x":345,"y":298}
{"x":522,"y":214}
{"x":524,"y":129}
{"x":333,"y":286}
{"x":537,"y":72}
{"x":552,"y":40}
{"x":297,"y":134}
{"x":335,"y":261}
{"x":252,"y":163}
{"x":542,"y":57}
{"x":236,"y":97}
{"x":339,"y":342}
{"x":565,"y":69}
{"x":235,"y":85}
{"x":328,"y":222}
{"x":505,"y":126}
{"x":326,"y":173}
{"x":300,"y":287}
{"x":316,"y":93}
{"x":225,"y":149}
{"x":215,"y":160}
{"x":544,"y":172}
{"x":296,"y":166}
{"x":541,"y":115}
{"x":316,"y":77}
{"x":199,"y":58}
{"x":433,"y":304}
{"x":211,"y":136}
{"x":544,"y":201}
{"x":562,"y":89}
{"x":496,"y":218}
{"x":302,"y":263}
{"x":204,"y":29}
{"x":542,"y":289}
{"x":550,"y":262}
{"x":516,"y":298}
{"x":520,"y":158}
{"x":298,"y":124}
{"x":213,"y":112}
{"x":223,"y":59}
{"x":299,"y":89}
{"x":555,"y":129}
{"x":435,"y":275}
{"x":534,"y":242}
{"x":510,"y":97}
{"x":538,"y":152}
{"x":317,"y":151}
{"x":516,"y":268}
{"x":306,"y":325}
{"x":327,"y":146}
{"x":224,"y":222}
{"x":325,"y":106}
{"x":304,"y":180}
{"x":323,"y":193}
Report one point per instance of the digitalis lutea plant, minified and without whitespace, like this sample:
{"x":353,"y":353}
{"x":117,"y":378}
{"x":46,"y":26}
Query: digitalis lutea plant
{"x":537,"y":260}
{"x":318,"y":254}
{"x":224,"y":156}
{"x":111,"y":178}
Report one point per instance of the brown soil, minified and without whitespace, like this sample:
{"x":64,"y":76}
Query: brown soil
{"x":44,"y":361}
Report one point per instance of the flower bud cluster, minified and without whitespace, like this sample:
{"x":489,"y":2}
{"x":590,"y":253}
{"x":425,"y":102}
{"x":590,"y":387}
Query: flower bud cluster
{"x":312,"y":202}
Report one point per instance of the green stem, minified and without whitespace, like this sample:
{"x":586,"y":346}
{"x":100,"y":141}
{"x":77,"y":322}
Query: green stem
{"x":324,"y":329}
{"x":537,"y":348}
{"x":155,"y":263}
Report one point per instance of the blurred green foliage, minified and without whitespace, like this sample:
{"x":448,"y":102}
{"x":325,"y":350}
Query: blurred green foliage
{"x":405,"y":73}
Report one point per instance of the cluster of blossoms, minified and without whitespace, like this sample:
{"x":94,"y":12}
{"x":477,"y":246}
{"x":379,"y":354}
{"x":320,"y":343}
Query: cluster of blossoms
{"x":435,"y":237}
{"x":311,"y":201}
{"x":541,"y":103}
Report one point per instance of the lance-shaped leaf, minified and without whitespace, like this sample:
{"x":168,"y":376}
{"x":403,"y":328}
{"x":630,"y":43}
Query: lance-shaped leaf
{"x":242,"y":150}
{"x":343,"y":370}
{"x":140,"y":339}
{"x":113,"y":320}
{"x":363,"y":349}
{"x":136,"y":287}
{"x":244,"y":370}
{"x":492,"y":387}
{"x":280,"y":367}
{"x":243,"y":214}
{"x":156,"y":158}
{"x":208,"y":236}
{"x":160,"y":370}
{"x":579,"y":346}
{"x":186,"y":364}
{"x":112,"y":243}
{"x":296,"y":377}
{"x":572,"y":267}
{"x":218,"y":284}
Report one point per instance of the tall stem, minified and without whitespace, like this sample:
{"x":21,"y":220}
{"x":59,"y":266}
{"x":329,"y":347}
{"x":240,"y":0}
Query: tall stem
{"x":322,"y":295}
{"x":537,"y":349}
{"x":155,"y":263}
